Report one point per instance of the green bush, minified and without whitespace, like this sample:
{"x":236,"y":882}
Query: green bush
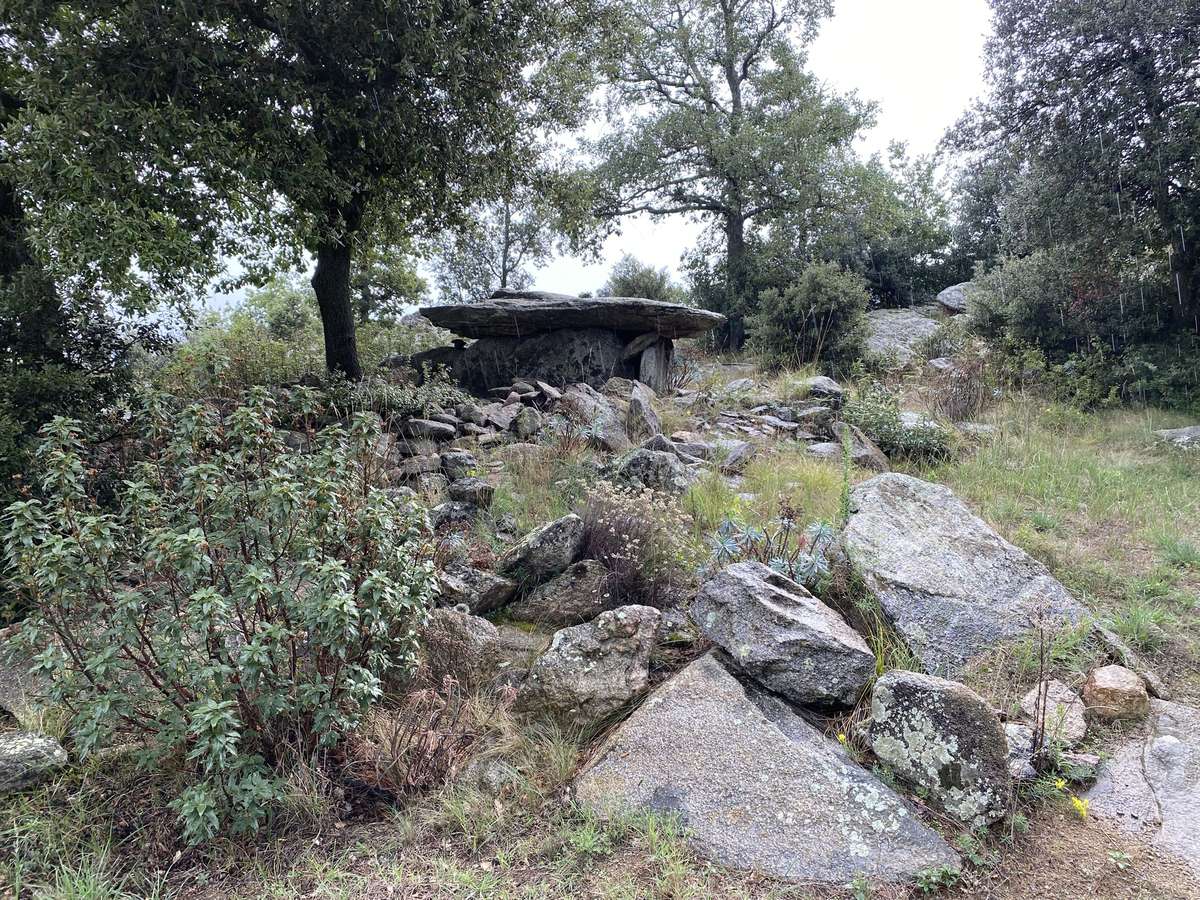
{"x":237,"y":608}
{"x":876,"y":410}
{"x":819,"y":317}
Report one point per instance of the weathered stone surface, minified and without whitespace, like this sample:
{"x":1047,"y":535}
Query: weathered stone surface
{"x":952,"y":587}
{"x":641,"y":421}
{"x":954,"y":298}
{"x":589,"y":409}
{"x":589,"y":355}
{"x":825,"y":389}
{"x":524,"y":313}
{"x":527,"y":423}
{"x":427,"y":428}
{"x":943,"y":737}
{"x":894,"y":333}
{"x":1065,"y":720}
{"x":578,"y":595}
{"x":545,"y":551}
{"x":480,"y":590}
{"x":417,"y":465}
{"x":654,"y":366}
{"x":658,"y":470}
{"x":501,"y":415}
{"x":1181,"y":437}
{"x":456,"y":515}
{"x":457,"y":463}
{"x":1151,"y":785}
{"x":863,"y":451}
{"x":460,"y":646}
{"x":472,"y":490}
{"x":733,"y":455}
{"x":782,"y":636}
{"x":1112,"y":693}
{"x":26,"y":757}
{"x":592,"y":670}
{"x":755,"y":786}
{"x":1126,"y":656}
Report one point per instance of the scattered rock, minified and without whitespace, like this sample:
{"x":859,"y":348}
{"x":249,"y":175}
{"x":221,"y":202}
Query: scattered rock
{"x":1151,"y":785}
{"x":733,"y":455}
{"x":952,"y":587}
{"x":894,"y":333}
{"x":1065,"y":720}
{"x":1185,"y":438}
{"x":782,"y":636}
{"x":26,"y":757}
{"x":1125,"y":655}
{"x":417,"y":465}
{"x":863,"y":451}
{"x":427,"y":428}
{"x":944,"y":738}
{"x":1112,"y":693}
{"x":453,"y":514}
{"x":641,"y":420}
{"x":458,"y":464}
{"x":501,"y":415}
{"x":578,"y":595}
{"x":590,"y":671}
{"x":527,"y":423}
{"x":658,"y":470}
{"x":481,"y":591}
{"x":545,"y":551}
{"x":472,"y":490}
{"x":755,"y":786}
{"x":954,"y":298}
{"x":739,"y":386}
{"x":595,"y":412}
{"x":459,"y":646}
{"x":825,"y":389}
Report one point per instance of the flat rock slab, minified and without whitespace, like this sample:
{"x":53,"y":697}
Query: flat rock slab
{"x":952,"y":586}
{"x":895,"y":333}
{"x":1181,"y":437}
{"x":755,"y":786}
{"x":1151,"y":785}
{"x":520,"y":314}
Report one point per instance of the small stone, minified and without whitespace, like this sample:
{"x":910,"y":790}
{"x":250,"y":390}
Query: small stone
{"x":418,"y":465}
{"x":825,"y":389}
{"x":1065,"y":720}
{"x":1112,"y":693}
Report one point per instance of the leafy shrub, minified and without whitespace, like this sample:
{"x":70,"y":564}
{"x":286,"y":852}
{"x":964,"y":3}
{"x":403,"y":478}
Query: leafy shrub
{"x":637,"y":534}
{"x":821,"y":316}
{"x":876,"y":410}
{"x":236,"y":610}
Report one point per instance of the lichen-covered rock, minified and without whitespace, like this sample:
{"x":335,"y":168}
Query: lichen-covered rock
{"x":893,"y":334}
{"x":458,"y":463}
{"x":825,"y":389}
{"x":460,"y":646}
{"x":755,"y":786}
{"x":1065,"y":720}
{"x":481,"y":591}
{"x":1183,"y":438}
{"x":472,"y":490}
{"x":863,"y":451}
{"x":1112,"y":693}
{"x":26,"y":757}
{"x":590,"y":671}
{"x":952,"y":587}
{"x":641,"y":420}
{"x":545,"y":551}
{"x":943,"y":737}
{"x":527,"y":423}
{"x":954,"y":298}
{"x":782,"y":636}
{"x":1151,"y":785}
{"x":455,"y":515}
{"x":427,"y":428}
{"x":658,"y":470}
{"x":577,"y":595}
{"x":593,"y":411}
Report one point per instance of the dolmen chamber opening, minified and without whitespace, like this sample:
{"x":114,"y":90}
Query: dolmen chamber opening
{"x":562,"y":339}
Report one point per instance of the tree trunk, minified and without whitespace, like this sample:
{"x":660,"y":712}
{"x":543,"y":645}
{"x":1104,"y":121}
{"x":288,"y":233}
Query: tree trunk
{"x":737,"y":283}
{"x":331,"y":283}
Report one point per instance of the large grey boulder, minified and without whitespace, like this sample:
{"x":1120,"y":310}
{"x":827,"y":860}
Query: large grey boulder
{"x":782,"y":636}
{"x":952,"y":587}
{"x":1184,"y":438}
{"x":658,"y":470}
{"x":944,"y":738}
{"x":577,"y":595}
{"x":755,"y":786}
{"x":592,"y":410}
{"x":545,"y":551}
{"x":895,"y":333}
{"x":26,"y":758}
{"x":524,"y":313}
{"x":1151,"y":785}
{"x":954,"y":298}
{"x":590,"y":671}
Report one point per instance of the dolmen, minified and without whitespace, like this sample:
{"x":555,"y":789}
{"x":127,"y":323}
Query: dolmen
{"x":562,"y":339}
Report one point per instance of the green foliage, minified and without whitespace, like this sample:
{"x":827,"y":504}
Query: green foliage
{"x":632,"y":278}
{"x":236,"y":609}
{"x":819,"y":317}
{"x":876,"y":410}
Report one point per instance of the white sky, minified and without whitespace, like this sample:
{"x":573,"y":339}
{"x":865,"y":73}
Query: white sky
{"x":920,"y":61}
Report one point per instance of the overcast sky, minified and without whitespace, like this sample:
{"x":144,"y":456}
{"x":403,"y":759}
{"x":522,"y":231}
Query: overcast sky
{"x":919,"y":60}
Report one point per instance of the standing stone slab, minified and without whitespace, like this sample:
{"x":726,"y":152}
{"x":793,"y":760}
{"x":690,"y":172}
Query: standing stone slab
{"x":782,"y":636}
{"x":755,"y":786}
{"x":952,"y":587}
{"x":944,"y":738}
{"x":1151,"y":785}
